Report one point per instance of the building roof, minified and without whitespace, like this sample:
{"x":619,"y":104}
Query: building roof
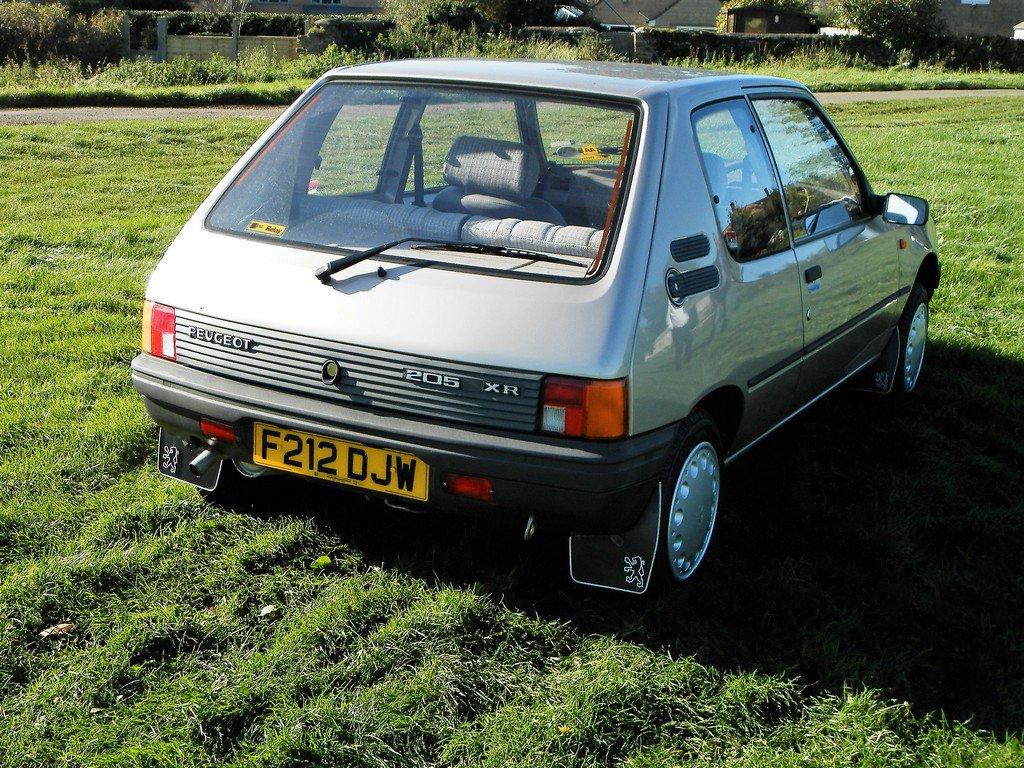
{"x":606,"y":78}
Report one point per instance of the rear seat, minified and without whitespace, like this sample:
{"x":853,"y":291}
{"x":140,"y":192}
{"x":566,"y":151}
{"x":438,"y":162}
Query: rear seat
{"x":368,"y":222}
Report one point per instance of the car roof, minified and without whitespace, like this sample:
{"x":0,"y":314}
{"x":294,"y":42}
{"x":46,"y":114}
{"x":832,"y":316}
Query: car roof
{"x":595,"y":78}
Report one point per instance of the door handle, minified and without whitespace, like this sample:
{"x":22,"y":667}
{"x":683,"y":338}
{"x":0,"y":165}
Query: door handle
{"x":812,"y":273}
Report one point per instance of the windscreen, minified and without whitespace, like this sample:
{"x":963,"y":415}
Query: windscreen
{"x":363,"y":164}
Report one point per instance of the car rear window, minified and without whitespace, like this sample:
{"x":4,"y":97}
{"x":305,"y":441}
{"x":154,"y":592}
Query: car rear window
{"x":361,"y":164}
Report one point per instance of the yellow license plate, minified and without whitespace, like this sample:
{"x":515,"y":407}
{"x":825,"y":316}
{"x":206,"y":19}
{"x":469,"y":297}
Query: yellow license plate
{"x":362,"y":466}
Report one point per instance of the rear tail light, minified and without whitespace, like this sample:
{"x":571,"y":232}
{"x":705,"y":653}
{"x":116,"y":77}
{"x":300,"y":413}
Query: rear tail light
{"x":584,"y":408}
{"x":479,"y":488}
{"x":218,"y":430}
{"x":158,"y":330}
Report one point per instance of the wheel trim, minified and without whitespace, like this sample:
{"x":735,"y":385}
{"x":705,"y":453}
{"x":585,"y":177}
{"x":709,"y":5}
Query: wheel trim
{"x":692,"y":509}
{"x":917,"y":339}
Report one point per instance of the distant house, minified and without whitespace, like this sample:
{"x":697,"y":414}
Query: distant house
{"x":656,"y":13}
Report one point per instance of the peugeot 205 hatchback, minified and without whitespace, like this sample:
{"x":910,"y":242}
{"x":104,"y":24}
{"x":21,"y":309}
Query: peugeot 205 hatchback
{"x":559,"y":293}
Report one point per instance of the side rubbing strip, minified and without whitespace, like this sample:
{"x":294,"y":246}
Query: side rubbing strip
{"x":823,"y":340}
{"x":688,"y":248}
{"x":840,"y":330}
{"x":683,"y":284}
{"x":779,"y":366}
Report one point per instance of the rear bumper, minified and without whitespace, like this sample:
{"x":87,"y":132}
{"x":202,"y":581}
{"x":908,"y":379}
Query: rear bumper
{"x":567,"y":484}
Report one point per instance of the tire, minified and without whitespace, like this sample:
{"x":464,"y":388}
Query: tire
{"x":691,"y":491}
{"x":913,"y":328}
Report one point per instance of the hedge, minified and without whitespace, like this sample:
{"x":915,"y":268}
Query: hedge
{"x":968,"y":52}
{"x":31,"y":32}
{"x":666,"y":45}
{"x":360,"y":35}
{"x":215,"y":23}
{"x":974,"y":52}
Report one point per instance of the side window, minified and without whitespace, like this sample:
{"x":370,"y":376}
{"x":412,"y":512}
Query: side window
{"x":819,"y":180}
{"x":353,"y":150}
{"x":746,"y":198}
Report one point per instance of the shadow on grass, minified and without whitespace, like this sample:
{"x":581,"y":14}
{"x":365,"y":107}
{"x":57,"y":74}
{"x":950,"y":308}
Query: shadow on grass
{"x":868,"y":543}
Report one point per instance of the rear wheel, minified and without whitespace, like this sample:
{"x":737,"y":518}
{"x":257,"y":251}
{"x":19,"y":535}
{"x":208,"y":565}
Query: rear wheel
{"x":913,"y":327}
{"x":691,"y":489}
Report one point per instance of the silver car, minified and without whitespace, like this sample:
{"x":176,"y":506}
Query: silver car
{"x":559,"y":293}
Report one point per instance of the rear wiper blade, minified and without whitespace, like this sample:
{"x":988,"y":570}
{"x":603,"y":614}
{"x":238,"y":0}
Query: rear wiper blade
{"x":500,"y":250}
{"x":335,"y":266}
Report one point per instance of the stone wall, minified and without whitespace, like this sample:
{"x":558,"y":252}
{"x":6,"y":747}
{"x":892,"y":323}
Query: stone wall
{"x":204,"y":46}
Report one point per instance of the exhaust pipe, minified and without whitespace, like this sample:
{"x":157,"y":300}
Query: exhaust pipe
{"x":203,"y":462}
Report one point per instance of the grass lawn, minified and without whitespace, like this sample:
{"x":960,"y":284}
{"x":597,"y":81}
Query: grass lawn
{"x":862,"y":603}
{"x":822,"y":79}
{"x":832,"y":79}
{"x":88,"y":95}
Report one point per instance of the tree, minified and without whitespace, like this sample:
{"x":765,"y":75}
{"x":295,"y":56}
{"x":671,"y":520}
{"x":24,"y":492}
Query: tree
{"x":902,"y":25}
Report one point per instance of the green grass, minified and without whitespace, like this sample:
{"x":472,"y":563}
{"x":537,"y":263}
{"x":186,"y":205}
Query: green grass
{"x":831,"y":77}
{"x":861,"y":604}
{"x":259,"y":80}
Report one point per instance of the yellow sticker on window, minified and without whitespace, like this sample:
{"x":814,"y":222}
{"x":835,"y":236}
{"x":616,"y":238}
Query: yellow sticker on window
{"x":590,"y":152}
{"x":266,"y":228}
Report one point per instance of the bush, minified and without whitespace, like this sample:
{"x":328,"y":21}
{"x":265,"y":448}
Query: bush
{"x":457,"y":14}
{"x":462,"y":15}
{"x":348,"y":34}
{"x":465,"y":14}
{"x":668,"y":45}
{"x":403,"y":43}
{"x":722,"y":20}
{"x":36,"y":33}
{"x":529,"y":13}
{"x":902,"y":25}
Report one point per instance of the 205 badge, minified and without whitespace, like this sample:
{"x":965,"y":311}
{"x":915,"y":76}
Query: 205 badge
{"x":443,"y":380}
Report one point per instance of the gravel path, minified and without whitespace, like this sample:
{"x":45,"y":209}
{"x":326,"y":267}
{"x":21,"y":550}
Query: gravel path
{"x":55,"y":115}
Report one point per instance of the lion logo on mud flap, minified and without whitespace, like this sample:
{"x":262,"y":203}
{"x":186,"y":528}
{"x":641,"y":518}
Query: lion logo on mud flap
{"x":635,"y":572}
{"x":169,"y":459}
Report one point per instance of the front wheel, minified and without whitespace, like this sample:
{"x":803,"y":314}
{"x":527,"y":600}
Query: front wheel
{"x":913,"y":328}
{"x":691,"y":490}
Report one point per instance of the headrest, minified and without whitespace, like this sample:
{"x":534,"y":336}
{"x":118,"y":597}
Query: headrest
{"x":492,"y":167}
{"x":717,"y":178}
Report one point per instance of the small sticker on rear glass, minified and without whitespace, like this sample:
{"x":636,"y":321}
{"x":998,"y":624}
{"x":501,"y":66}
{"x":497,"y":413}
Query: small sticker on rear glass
{"x":591,"y":152}
{"x":266,"y":228}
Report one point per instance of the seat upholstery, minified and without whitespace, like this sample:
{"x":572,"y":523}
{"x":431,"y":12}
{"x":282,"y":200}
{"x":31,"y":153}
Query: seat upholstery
{"x":493,"y":178}
{"x":362,"y":223}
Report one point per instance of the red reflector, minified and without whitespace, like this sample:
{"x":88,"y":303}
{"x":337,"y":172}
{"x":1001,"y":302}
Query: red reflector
{"x":216,"y":429}
{"x":479,"y":488}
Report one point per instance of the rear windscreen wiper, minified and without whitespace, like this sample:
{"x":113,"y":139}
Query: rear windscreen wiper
{"x":335,"y":266}
{"x":500,"y":250}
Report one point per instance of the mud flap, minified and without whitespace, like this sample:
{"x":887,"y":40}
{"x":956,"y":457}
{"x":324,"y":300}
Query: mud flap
{"x":174,"y":455}
{"x":623,"y":562}
{"x":880,"y":377}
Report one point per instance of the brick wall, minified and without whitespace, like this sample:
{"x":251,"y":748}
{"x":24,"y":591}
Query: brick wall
{"x":998,"y":17}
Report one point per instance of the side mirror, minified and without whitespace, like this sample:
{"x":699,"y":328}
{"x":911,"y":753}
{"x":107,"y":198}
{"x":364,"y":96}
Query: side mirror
{"x":905,"y":209}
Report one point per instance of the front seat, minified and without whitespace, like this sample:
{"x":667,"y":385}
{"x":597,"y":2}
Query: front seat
{"x":493,"y":178}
